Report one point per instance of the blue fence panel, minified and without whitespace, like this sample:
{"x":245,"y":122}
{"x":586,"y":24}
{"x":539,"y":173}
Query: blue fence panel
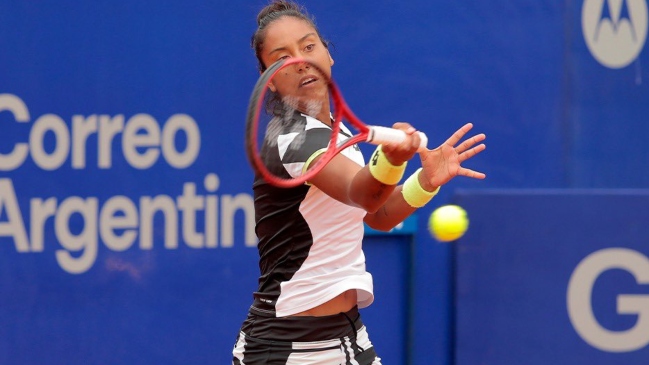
{"x":553,"y":277}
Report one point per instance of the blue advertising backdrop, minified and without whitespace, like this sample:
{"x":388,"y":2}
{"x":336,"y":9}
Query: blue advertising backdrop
{"x":126,"y":218}
{"x":553,"y":277}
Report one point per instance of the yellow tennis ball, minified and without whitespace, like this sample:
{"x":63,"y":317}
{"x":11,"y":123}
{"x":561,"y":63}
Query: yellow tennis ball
{"x":448,"y":223}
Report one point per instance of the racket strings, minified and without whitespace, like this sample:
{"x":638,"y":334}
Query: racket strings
{"x":288,"y":126}
{"x":285,"y":124}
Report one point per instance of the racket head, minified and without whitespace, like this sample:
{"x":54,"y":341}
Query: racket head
{"x":293,"y":122}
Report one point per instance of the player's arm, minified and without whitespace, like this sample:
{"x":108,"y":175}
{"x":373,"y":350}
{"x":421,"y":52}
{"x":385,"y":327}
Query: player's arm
{"x":347,"y":182}
{"x":439,"y":166}
{"x":396,"y":209}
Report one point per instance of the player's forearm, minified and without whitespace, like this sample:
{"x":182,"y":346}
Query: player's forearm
{"x":367,"y":192}
{"x":394,"y":211}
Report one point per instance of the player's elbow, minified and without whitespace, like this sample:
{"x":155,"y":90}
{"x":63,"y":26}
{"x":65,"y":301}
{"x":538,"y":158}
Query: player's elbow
{"x":368,"y":195}
{"x":366,"y":203}
{"x":373,"y":221}
{"x":381,"y":227}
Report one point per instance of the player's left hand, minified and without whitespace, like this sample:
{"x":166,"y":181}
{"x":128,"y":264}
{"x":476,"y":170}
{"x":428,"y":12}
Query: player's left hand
{"x":443,"y":163}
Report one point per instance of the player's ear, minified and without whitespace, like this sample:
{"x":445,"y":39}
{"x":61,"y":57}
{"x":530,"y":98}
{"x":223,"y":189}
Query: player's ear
{"x":331,"y":60}
{"x":270,"y":85}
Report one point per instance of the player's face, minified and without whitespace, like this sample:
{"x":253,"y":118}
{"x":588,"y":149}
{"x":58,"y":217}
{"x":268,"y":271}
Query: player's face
{"x":290,"y":37}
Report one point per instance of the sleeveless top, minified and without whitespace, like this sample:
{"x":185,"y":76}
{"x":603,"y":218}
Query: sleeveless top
{"x":310,"y":245}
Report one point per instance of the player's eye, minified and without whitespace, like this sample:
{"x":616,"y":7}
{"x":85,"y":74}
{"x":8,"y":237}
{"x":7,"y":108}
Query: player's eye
{"x":310,"y":47}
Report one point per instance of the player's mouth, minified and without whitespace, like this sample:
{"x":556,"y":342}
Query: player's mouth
{"x":307,"y":80}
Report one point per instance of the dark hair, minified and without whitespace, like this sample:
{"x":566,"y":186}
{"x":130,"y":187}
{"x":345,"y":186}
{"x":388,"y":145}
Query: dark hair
{"x":272,"y":12}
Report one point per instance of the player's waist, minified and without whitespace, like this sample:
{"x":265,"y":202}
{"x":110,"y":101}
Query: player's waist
{"x":302,"y":328}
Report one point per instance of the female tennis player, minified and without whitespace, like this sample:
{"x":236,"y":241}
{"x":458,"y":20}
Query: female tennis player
{"x":313,"y":279}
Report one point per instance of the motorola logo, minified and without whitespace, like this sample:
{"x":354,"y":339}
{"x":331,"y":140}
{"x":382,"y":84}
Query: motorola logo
{"x":615,"y":30}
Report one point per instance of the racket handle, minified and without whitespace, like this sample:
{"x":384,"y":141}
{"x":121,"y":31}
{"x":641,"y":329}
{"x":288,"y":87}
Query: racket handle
{"x":384,"y":135}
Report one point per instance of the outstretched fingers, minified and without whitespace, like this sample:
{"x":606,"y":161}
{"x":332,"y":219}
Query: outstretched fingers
{"x":468,"y":149}
{"x":463,"y":156}
{"x":459,"y":134}
{"x":444,"y":163}
{"x":470,"y":143}
{"x":471,"y":173}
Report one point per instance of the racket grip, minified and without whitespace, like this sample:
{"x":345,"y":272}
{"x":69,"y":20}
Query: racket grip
{"x":384,"y":135}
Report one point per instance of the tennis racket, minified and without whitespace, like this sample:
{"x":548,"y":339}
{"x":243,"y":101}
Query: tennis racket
{"x":294,"y":107}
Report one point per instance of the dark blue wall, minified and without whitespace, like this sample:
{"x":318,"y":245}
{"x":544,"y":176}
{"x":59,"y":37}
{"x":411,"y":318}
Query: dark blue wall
{"x":543,"y":277}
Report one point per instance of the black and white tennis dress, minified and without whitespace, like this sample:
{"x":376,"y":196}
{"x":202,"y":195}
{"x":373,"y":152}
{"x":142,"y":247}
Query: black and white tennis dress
{"x":310,"y":248}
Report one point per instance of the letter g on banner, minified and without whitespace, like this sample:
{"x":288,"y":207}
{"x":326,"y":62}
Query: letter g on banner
{"x":580,"y":309}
